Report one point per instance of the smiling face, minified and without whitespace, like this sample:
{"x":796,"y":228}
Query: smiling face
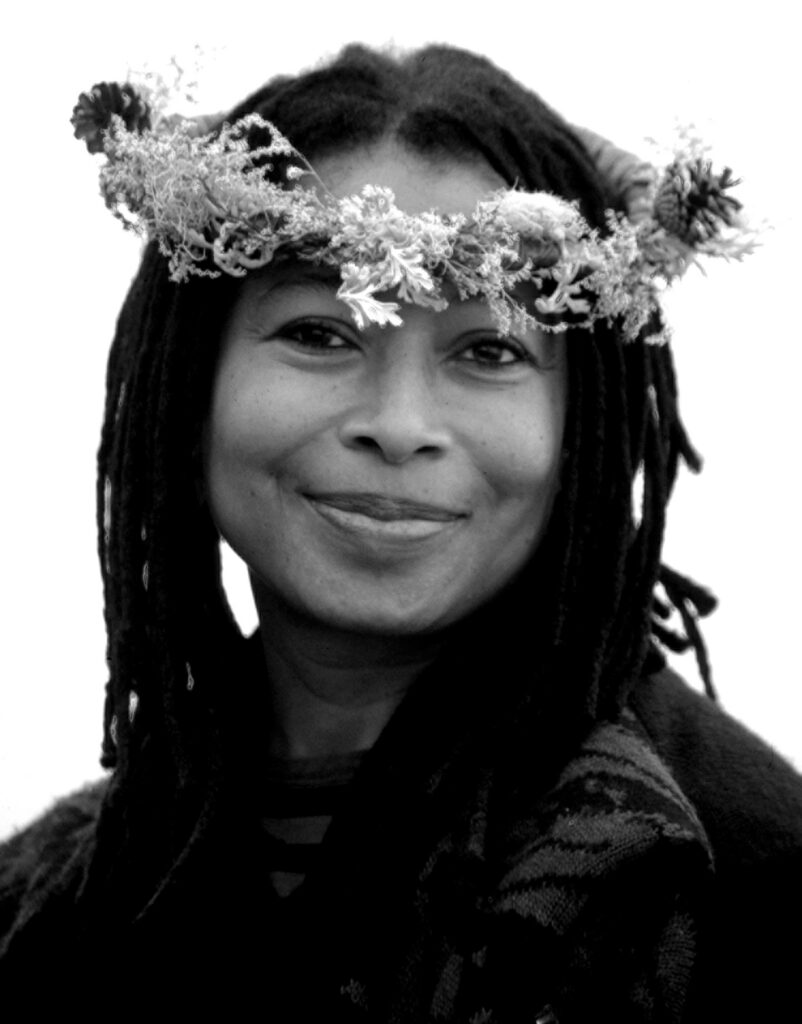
{"x":386,"y":481}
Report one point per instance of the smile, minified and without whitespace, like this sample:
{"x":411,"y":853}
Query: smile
{"x":379,"y":516}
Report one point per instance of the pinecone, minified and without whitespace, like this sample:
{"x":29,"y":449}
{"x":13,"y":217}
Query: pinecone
{"x":92,"y":114}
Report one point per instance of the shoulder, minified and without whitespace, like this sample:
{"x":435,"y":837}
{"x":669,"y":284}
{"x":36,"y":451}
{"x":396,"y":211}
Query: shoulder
{"x":747,"y":796}
{"x":749,"y":801}
{"x":40,"y":860}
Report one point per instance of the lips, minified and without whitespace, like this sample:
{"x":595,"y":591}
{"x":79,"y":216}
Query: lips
{"x":386,"y":509}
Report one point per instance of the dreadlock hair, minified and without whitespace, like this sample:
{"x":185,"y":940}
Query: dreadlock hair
{"x":172,"y":640}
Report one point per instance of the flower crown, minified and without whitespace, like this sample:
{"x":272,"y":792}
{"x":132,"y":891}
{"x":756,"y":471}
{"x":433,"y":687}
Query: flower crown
{"x":236,"y":199}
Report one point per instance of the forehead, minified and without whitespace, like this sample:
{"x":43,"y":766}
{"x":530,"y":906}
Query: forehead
{"x":419,"y":183}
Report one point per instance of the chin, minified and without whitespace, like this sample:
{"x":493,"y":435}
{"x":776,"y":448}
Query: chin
{"x":386,"y":622}
{"x":378,"y":616}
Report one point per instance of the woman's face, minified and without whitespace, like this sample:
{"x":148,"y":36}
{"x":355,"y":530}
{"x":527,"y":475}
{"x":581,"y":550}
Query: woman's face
{"x":391,"y":480}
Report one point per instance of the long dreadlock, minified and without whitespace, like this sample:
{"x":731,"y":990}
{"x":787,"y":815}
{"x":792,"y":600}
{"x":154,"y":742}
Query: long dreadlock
{"x":172,"y":638}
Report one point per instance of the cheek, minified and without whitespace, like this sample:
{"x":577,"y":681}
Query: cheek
{"x":243,"y":436}
{"x":256,"y":420}
{"x":522,"y":452}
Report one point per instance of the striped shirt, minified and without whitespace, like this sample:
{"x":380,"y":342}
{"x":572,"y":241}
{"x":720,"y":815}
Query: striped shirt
{"x":300,"y":798}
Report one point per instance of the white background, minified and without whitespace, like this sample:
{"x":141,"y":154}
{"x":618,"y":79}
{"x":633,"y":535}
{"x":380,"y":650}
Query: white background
{"x":626,"y":70}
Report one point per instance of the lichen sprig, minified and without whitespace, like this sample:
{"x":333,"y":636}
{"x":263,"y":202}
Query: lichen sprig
{"x":232,"y":200}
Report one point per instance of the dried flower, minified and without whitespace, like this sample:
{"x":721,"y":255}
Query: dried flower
{"x":692,"y":201}
{"x":539,"y":216}
{"x":92,"y":115}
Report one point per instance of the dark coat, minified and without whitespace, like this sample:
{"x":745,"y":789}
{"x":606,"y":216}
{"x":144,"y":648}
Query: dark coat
{"x":657,"y":878}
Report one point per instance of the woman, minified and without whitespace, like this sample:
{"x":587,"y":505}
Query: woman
{"x":456,"y":677}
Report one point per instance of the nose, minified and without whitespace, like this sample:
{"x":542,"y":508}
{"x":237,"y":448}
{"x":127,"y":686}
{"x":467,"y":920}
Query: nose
{"x":398,"y":415}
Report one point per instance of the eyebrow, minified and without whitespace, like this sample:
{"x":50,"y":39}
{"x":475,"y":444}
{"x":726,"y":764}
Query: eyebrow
{"x":288,"y":275}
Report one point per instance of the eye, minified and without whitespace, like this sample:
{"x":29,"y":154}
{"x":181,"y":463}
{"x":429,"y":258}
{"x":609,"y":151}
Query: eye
{"x":318,"y":336}
{"x":495,"y":351}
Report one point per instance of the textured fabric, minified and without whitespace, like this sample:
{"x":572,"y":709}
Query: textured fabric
{"x":667,"y":848}
{"x":594,"y":894}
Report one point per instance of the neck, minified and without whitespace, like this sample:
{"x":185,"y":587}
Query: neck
{"x":331,"y":691}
